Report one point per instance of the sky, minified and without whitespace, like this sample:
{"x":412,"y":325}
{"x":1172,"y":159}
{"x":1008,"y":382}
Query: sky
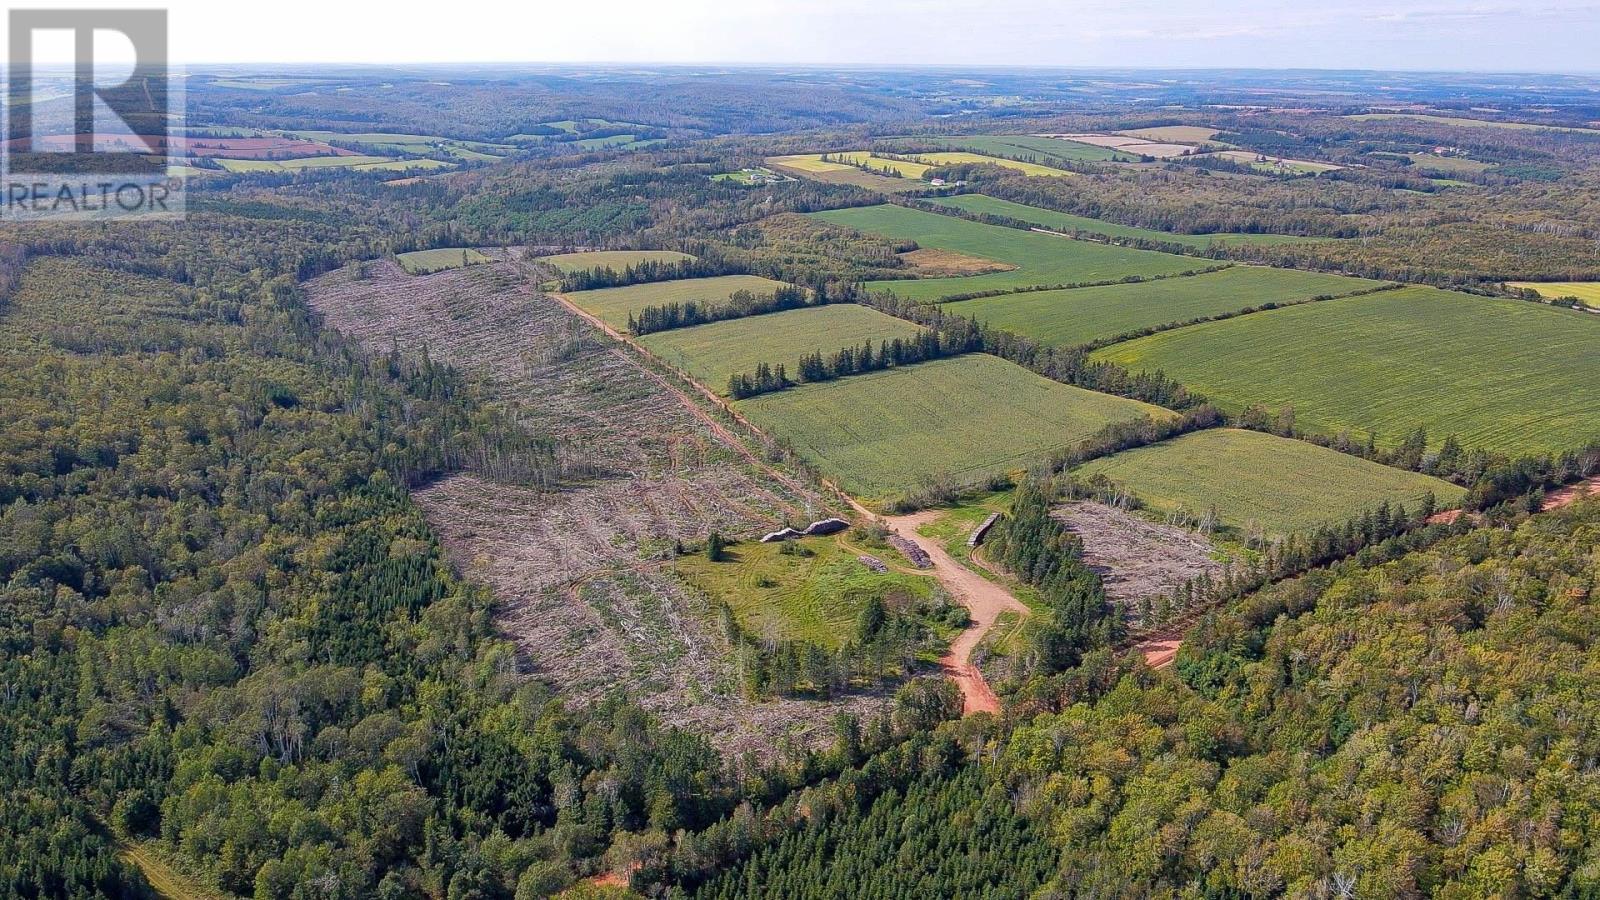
{"x":1470,"y":35}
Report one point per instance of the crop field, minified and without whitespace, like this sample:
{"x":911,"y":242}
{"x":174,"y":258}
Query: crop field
{"x":810,"y":165}
{"x":614,"y":305}
{"x":1060,"y":221}
{"x":1588,"y":292}
{"x":1279,"y":485}
{"x":1040,"y":149}
{"x":900,"y":167}
{"x":1454,"y":165}
{"x":965,"y":417}
{"x":1080,"y":315}
{"x":955,"y":158}
{"x":310,"y":162}
{"x":715,"y":351}
{"x":1041,"y":259}
{"x":1173,"y":134}
{"x":1468,"y":123}
{"x":1504,"y":375}
{"x":403,"y":165}
{"x":1274,"y":164}
{"x":421,"y":262}
{"x":610,"y":259}
{"x":787,"y":596}
{"x":1126,"y":144}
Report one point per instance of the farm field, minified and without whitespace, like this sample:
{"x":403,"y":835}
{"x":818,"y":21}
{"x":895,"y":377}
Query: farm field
{"x":1275,"y":164}
{"x":1504,"y":375}
{"x":422,"y":262}
{"x":291,"y":165}
{"x":788,"y":597}
{"x":1280,"y":485}
{"x":403,"y":165}
{"x":965,"y":417}
{"x":810,"y":165}
{"x":956,"y":158}
{"x":1067,"y":222}
{"x":1454,"y":165}
{"x":1134,"y":145}
{"x":714,"y":351}
{"x":614,"y":305}
{"x":1041,"y":259}
{"x":1588,"y":292}
{"x":1080,"y":315}
{"x":1173,"y":134}
{"x":610,"y":259}
{"x":1468,"y":123}
{"x":903,"y":168}
{"x":1040,"y":149}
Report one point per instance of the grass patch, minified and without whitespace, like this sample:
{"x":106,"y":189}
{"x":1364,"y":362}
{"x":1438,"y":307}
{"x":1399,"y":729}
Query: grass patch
{"x":1080,"y":315}
{"x":715,"y":351}
{"x":610,"y":259}
{"x":811,"y":166}
{"x":614,"y":305}
{"x":294,"y":165}
{"x":1041,"y":259}
{"x":404,"y":165}
{"x":966,"y":417}
{"x":1275,"y":165}
{"x":1173,"y":134}
{"x":1504,"y":375}
{"x":1031,"y":147}
{"x":1277,"y":484}
{"x":1587,"y":292}
{"x":422,"y":262}
{"x":815,"y":595}
{"x":1059,"y":221}
{"x":1451,"y":165}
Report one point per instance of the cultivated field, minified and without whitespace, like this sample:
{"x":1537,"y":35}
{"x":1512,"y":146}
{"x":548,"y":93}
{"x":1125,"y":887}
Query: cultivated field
{"x":1468,"y":123}
{"x":966,"y":417}
{"x":1587,"y":292}
{"x":1041,"y":259}
{"x":1067,"y":222}
{"x":614,"y":305}
{"x":422,"y":262}
{"x":713,"y":352}
{"x":958,"y":157}
{"x":881,"y":165}
{"x":1277,"y":485}
{"x":1174,"y":134}
{"x":1080,"y":315}
{"x":610,"y":259}
{"x":1453,"y":165}
{"x":1030,"y":146}
{"x":1139,"y":146}
{"x":1275,"y":165}
{"x":785,"y":596}
{"x":310,"y":162}
{"x":1500,"y":374}
{"x":810,"y":165}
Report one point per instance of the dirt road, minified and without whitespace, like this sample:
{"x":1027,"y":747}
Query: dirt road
{"x":984,"y":600}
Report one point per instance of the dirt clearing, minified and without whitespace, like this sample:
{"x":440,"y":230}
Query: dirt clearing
{"x":930,"y":262}
{"x":1135,"y":557}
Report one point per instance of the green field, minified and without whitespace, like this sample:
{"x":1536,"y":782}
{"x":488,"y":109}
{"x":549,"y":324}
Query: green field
{"x":403,"y":165}
{"x":966,"y":417}
{"x":1059,"y":221}
{"x":610,"y":259}
{"x":1028,"y":146}
{"x":786,"y":596}
{"x":1080,"y":315}
{"x":962,"y":157}
{"x":1454,"y":165}
{"x":614,"y":305}
{"x":713,"y":352}
{"x":1275,"y":165}
{"x":307,"y":162}
{"x":1587,"y":292}
{"x":861,"y":158}
{"x":1041,"y":259}
{"x":1504,"y":375}
{"x":1468,"y":123}
{"x":424,"y":261}
{"x":1174,"y":134}
{"x":1279,"y":484}
{"x":811,"y":166}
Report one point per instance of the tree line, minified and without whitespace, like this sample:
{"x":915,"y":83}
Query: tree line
{"x":740,"y":304}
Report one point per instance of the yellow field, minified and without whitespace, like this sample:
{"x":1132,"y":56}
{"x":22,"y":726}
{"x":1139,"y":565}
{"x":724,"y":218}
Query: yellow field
{"x":1174,"y":134}
{"x":956,"y":157}
{"x":809,"y":162}
{"x":879,"y":164}
{"x":1587,"y":292}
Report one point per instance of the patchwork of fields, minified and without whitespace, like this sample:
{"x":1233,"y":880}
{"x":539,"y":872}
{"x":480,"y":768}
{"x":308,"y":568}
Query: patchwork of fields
{"x":614,"y":305}
{"x":1279,"y":485}
{"x":1059,"y":221}
{"x":715,"y":351}
{"x":1080,"y":315}
{"x":1041,"y":259}
{"x":966,"y":417}
{"x":1504,"y":375}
